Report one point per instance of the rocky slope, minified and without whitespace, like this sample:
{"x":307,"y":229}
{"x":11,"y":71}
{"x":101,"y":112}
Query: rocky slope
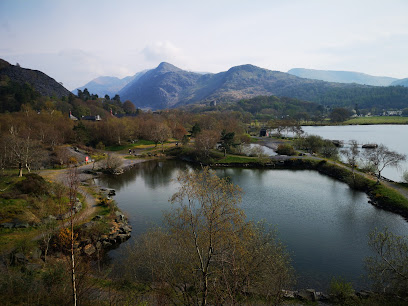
{"x":41,"y":82}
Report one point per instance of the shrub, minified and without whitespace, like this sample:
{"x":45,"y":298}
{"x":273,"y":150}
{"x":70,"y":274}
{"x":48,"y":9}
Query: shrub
{"x":33,"y":184}
{"x":285,"y":149}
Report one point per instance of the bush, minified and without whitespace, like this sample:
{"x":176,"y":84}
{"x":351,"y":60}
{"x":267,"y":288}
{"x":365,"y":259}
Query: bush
{"x":341,"y":291}
{"x":33,"y":184}
{"x":285,"y":149}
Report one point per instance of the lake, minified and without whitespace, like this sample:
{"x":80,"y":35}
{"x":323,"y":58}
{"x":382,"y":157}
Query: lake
{"x":395,"y":137}
{"x":323,"y":222}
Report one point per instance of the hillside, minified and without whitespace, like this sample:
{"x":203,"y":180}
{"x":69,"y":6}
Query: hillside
{"x":107,"y":85}
{"x":158,"y":88}
{"x":402,"y":82}
{"x":41,"y":82}
{"x":168,"y":86}
{"x":342,"y":77}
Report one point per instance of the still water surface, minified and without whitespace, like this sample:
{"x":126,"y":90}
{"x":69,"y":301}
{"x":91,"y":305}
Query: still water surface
{"x":322,"y":221}
{"x":395,"y":137}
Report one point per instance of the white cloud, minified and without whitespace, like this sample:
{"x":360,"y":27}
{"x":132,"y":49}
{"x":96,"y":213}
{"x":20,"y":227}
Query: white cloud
{"x":160,"y":51}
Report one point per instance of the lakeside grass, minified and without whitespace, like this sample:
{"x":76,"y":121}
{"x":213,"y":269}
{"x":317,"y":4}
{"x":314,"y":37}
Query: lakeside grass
{"x":377,"y":120}
{"x":237,"y":159}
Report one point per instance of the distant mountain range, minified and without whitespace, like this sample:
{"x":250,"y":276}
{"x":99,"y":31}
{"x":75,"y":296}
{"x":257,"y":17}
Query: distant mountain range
{"x":343,"y":77}
{"x":168,"y":86}
{"x":402,"y":82}
{"x":107,"y":85}
{"x":41,"y":82}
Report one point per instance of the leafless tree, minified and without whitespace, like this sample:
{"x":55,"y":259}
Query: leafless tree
{"x":73,"y":185}
{"x":352,"y":154}
{"x":382,"y":157}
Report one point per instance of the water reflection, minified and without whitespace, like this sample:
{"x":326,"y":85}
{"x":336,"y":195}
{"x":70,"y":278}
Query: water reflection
{"x":323,"y":222}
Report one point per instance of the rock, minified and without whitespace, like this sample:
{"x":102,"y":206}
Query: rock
{"x":7,"y":225}
{"x":19,"y":224}
{"x":89,"y":249}
{"x":122,"y":238}
{"x":111,"y":192}
{"x":50,"y":218}
{"x":106,"y":244}
{"x":87,"y":225}
{"x":97,"y":217}
{"x":289,"y":294}
{"x":125,"y":229}
{"x":36,"y":253}
{"x":306,"y":295}
{"x":33,"y":267}
{"x":363,"y":294}
{"x":19,"y":259}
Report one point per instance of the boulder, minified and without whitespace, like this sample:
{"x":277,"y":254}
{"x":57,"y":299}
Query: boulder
{"x":19,"y":259}
{"x":306,"y":295}
{"x":7,"y":225}
{"x":89,"y":249}
{"x":106,"y":244}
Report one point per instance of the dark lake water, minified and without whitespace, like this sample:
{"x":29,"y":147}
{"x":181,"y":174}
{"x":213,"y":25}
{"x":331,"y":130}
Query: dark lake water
{"x":323,"y":222}
{"x":394,"y":137}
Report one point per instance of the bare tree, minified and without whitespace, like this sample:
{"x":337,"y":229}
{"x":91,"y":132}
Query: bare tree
{"x":389,"y":268}
{"x":352,"y":154}
{"x":73,"y":184}
{"x":209,"y":253}
{"x":22,"y":149}
{"x":205,"y":141}
{"x":382,"y":157}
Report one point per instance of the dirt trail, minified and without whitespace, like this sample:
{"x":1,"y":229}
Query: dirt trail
{"x":60,"y":176}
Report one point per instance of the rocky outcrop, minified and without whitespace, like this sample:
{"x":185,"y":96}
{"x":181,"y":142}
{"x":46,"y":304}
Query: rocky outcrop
{"x":41,"y":82}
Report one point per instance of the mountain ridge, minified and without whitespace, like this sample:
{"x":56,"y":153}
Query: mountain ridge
{"x":40,"y":81}
{"x":339,"y":76}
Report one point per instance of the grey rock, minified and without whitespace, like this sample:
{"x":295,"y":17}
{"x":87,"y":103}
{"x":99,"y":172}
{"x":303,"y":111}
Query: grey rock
{"x":7,"y":225}
{"x":36,"y":253}
{"x":106,"y":244}
{"x":19,"y":258}
{"x":306,"y":295}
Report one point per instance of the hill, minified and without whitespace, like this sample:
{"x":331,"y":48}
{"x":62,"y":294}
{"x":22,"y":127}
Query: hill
{"x":40,"y":82}
{"x":342,"y":76}
{"x":168,"y":86}
{"x":107,"y":85}
{"x":158,"y":88}
{"x":402,"y":82}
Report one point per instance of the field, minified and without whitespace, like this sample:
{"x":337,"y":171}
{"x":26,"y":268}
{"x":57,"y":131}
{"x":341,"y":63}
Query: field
{"x":378,"y":120}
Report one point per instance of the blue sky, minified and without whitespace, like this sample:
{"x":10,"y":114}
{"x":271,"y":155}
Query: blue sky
{"x":76,"y":41}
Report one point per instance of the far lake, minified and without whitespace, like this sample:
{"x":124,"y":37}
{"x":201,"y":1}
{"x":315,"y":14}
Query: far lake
{"x":322,"y":221}
{"x":395,"y":137}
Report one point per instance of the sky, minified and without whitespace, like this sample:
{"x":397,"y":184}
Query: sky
{"x":75,"y":41}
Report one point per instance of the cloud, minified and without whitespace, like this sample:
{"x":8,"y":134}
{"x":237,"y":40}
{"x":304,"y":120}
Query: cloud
{"x":161,"y":51}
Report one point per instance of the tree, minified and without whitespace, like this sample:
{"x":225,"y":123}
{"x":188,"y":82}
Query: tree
{"x":195,"y":130}
{"x":389,"y":268}
{"x":160,"y":133}
{"x":21,"y":149}
{"x":205,"y":141}
{"x":382,"y":157}
{"x":209,"y":253}
{"x":227,"y":140}
{"x":73,"y":184}
{"x":129,"y":107}
{"x":405,"y":176}
{"x":352,"y":155}
{"x":339,"y":114}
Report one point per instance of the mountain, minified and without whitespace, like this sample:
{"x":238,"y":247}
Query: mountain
{"x":41,"y":82}
{"x":402,"y":82}
{"x":159,"y":88}
{"x":342,"y":77}
{"x":168,"y":86}
{"x":107,"y":85}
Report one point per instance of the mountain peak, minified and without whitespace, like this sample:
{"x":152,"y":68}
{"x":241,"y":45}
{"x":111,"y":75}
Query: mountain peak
{"x":166,"y":67}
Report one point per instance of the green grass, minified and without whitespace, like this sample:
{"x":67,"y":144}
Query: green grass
{"x":130,"y":145}
{"x":390,"y":197}
{"x":378,"y":120}
{"x":235,"y":159}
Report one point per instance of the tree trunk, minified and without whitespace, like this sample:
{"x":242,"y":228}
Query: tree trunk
{"x":20,"y":170}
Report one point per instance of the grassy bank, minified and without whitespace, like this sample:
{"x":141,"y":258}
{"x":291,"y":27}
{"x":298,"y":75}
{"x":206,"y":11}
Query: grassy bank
{"x":377,"y":120}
